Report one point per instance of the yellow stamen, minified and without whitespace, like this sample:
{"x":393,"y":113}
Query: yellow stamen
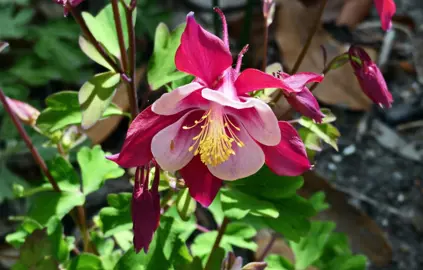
{"x":214,"y":142}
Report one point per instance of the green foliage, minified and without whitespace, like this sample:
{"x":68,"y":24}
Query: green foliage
{"x":276,"y":262}
{"x":272,"y":198}
{"x":310,"y":248}
{"x":161,"y":66}
{"x":36,"y":253}
{"x":237,"y":234}
{"x":63,"y":110}
{"x":96,"y":95}
{"x":117,"y":217}
{"x":96,"y":169}
{"x":185,"y":205}
{"x":7,"y":182}
{"x":104,"y":30}
{"x":325,"y":131}
{"x":13,"y":24}
{"x":166,"y":251}
{"x":86,"y":261}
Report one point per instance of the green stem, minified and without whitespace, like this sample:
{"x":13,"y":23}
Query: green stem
{"x":216,"y":244}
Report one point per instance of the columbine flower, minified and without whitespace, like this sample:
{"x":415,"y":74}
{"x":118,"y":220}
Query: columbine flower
{"x":386,"y":10}
{"x":25,"y":112}
{"x":369,"y":76}
{"x":145,"y":208}
{"x":67,"y":3}
{"x":303,"y":101}
{"x":211,"y":130}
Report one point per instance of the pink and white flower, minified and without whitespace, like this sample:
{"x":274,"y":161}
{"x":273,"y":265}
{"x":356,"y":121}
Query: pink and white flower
{"x":211,"y":129}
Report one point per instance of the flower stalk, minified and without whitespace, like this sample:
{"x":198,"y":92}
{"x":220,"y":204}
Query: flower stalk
{"x":216,"y":244}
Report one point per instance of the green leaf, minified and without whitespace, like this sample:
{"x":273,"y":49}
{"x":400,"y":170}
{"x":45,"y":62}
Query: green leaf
{"x":96,"y":169}
{"x":237,"y":205}
{"x":339,"y":61}
{"x":276,"y":262}
{"x":185,"y":204}
{"x":216,"y":209}
{"x":237,"y":234}
{"x":329,"y":116}
{"x":7,"y":182}
{"x":60,"y":247}
{"x":166,"y":251}
{"x":36,"y":253}
{"x":50,"y":206}
{"x":266,"y":184}
{"x":310,"y":139}
{"x":183,"y":228}
{"x":63,"y":172}
{"x":327,"y":132}
{"x":311,"y":247}
{"x":124,"y":239}
{"x":116,"y":218}
{"x":318,"y":201}
{"x":63,"y":110}
{"x":293,"y":221}
{"x":92,"y":53}
{"x":179,"y":82}
{"x":86,"y":261}
{"x":161,"y":66}
{"x":347,"y":262}
{"x":104,"y":30}
{"x":14,"y":24}
{"x":96,"y":95}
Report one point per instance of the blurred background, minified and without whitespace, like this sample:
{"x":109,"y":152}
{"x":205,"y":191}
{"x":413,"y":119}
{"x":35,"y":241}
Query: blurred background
{"x":374,"y":182}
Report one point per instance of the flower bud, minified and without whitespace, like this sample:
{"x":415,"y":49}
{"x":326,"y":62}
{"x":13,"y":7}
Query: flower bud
{"x":370,"y":77}
{"x":25,"y":112}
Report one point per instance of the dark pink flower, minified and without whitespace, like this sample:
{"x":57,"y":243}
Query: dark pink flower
{"x":386,"y":10}
{"x":67,"y":3}
{"x":25,"y":112}
{"x":303,"y":101}
{"x":145,"y":208}
{"x":211,"y":130}
{"x":370,"y":78}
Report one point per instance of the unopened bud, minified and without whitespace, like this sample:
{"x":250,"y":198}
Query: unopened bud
{"x":269,"y":11}
{"x":25,"y":112}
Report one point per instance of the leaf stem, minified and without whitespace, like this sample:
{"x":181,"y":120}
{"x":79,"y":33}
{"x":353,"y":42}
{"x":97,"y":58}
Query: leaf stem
{"x":132,"y":89}
{"x":311,"y":34}
{"x":265,"y":44}
{"x":303,"y":52}
{"x":268,"y":247}
{"x":40,"y":161}
{"x":86,"y":31}
{"x":118,"y":25}
{"x":216,"y":244}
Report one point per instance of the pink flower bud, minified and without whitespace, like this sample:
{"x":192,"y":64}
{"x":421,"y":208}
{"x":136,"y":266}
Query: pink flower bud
{"x":269,"y":11}
{"x":370,"y":78}
{"x":145,"y":208}
{"x":25,"y":112}
{"x":386,"y":10}
{"x":67,"y":3}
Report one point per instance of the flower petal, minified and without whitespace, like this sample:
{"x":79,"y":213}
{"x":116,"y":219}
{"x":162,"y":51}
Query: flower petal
{"x":180,"y":99}
{"x":226,"y":100}
{"x":202,"y":185}
{"x":386,"y":10}
{"x":136,"y":150}
{"x":305,"y":103}
{"x":253,"y":79}
{"x":246,"y":161}
{"x":260,"y":122}
{"x":201,"y":53}
{"x":170,"y":145}
{"x":299,"y":80}
{"x":289,"y":156}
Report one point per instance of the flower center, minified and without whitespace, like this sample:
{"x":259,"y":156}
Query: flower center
{"x":214,"y":142}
